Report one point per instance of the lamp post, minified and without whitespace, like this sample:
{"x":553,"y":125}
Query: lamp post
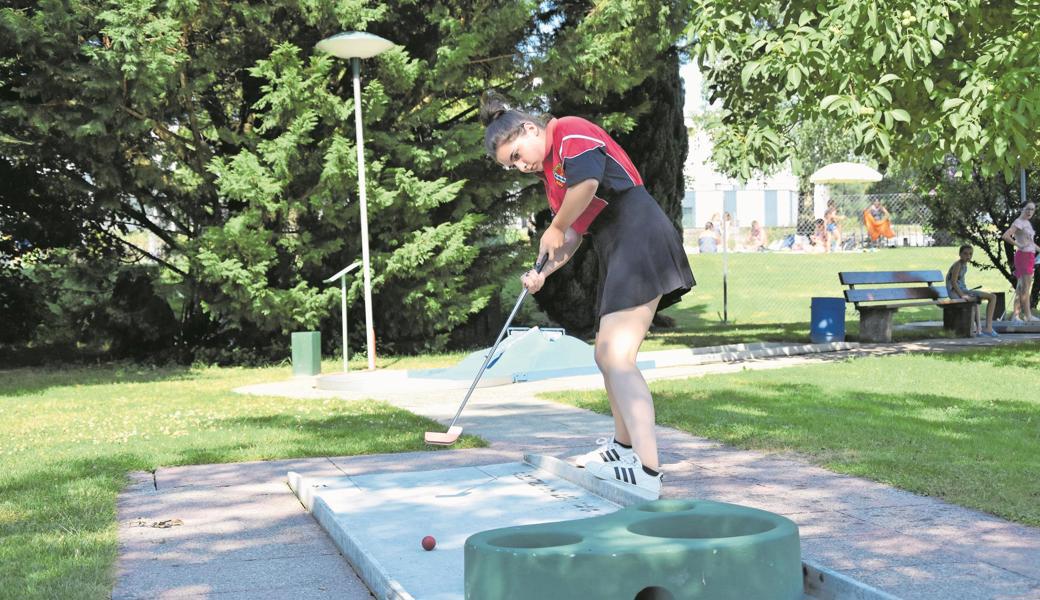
{"x":356,"y":45}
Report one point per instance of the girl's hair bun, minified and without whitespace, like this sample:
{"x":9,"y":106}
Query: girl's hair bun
{"x":492,"y":106}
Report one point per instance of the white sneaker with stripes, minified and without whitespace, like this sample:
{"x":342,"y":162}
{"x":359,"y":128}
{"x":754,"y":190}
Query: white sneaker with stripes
{"x":628,"y":472}
{"x":608,"y":451}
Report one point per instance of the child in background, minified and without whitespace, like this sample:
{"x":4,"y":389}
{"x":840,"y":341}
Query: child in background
{"x":956,"y":287}
{"x":1022,"y":235}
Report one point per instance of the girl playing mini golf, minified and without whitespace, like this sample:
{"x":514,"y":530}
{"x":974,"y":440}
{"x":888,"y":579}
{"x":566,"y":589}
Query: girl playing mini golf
{"x":594,"y":190}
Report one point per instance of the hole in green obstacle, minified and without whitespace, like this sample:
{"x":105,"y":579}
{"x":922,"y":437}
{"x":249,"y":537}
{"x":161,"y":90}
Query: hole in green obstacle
{"x":702,"y":526}
{"x":668,"y":506}
{"x":654,"y":593}
{"x":535,"y":540}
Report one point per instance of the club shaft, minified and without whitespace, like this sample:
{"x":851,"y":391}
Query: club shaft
{"x":487,"y":359}
{"x":501,"y":335}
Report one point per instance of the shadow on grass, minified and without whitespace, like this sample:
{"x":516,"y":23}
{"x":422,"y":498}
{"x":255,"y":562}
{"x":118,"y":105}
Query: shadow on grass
{"x":27,"y":381}
{"x":60,"y":543}
{"x":975,"y":453}
{"x":385,"y":430}
{"x":1023,"y":355}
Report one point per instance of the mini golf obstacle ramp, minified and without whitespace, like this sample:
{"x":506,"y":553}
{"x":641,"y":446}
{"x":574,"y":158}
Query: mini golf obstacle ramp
{"x":527,"y":354}
{"x":665,"y":550}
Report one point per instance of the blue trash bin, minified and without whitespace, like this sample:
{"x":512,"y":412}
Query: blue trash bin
{"x":828,"y":320}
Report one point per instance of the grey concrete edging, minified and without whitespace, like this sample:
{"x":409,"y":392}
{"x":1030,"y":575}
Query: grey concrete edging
{"x":379,"y":582}
{"x":735,"y":352}
{"x":580,"y":477}
{"x":821,"y":583}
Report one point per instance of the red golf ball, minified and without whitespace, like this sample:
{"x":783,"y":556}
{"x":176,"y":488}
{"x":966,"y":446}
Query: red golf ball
{"x":428,"y":543}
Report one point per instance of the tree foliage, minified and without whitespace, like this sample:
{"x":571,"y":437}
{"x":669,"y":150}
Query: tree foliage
{"x":913,"y":82}
{"x":218,"y":131}
{"x":978,"y":210}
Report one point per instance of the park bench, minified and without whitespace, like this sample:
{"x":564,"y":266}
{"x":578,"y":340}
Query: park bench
{"x":876,"y":305}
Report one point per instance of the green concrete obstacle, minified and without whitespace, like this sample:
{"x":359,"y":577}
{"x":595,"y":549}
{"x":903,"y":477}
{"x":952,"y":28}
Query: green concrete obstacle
{"x":662,"y":550}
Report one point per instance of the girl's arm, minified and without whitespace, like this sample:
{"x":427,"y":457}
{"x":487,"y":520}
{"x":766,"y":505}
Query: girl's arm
{"x":533,"y":280}
{"x":575,"y":201}
{"x":571,"y":241}
{"x":1009,"y":235}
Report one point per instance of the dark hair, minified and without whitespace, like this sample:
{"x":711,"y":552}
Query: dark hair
{"x":963,"y":248}
{"x":502,"y":123}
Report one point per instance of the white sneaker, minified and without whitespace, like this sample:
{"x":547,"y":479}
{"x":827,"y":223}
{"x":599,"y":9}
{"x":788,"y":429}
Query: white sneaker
{"x":608,"y":451}
{"x":1016,"y":320}
{"x":1034,"y":318}
{"x":629,"y":472}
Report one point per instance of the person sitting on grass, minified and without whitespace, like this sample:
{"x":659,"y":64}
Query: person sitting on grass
{"x":956,"y":287}
{"x":878,"y":221}
{"x":756,"y":239}
{"x":708,"y":241}
{"x":819,"y":237}
{"x":833,"y":221}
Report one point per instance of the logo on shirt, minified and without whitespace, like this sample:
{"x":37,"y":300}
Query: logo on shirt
{"x":558,"y":175}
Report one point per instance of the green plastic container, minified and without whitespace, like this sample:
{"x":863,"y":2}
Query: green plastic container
{"x":665,"y":550}
{"x":306,"y":353}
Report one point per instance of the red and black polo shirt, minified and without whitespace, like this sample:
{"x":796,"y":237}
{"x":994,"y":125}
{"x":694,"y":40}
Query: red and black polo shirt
{"x":580,"y":150}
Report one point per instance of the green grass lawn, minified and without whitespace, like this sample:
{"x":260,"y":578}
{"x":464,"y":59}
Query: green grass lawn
{"x":963,"y":427}
{"x":769,"y":294}
{"x":69,"y":437}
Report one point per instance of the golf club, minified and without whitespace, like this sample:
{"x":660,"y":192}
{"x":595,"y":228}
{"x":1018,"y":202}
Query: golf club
{"x":454,"y":431}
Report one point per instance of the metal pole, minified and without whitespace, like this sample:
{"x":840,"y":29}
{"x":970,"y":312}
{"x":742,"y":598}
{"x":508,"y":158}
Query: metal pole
{"x":370,"y":333}
{"x":1022,"y":185}
{"x":725,"y":270}
{"x":343,"y":309}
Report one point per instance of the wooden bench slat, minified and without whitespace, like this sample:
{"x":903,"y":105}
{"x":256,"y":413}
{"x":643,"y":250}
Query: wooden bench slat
{"x":913,"y":304}
{"x":888,"y":294}
{"x":881,"y":277}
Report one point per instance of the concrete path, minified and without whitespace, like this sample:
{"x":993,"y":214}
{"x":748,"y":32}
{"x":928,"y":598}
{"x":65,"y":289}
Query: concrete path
{"x":237,"y":531}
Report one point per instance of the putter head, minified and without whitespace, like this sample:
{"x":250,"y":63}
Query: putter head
{"x":447,"y":438}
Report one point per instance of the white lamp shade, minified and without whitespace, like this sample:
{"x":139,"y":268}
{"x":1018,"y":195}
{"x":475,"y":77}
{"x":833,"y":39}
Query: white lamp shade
{"x":845,"y":172}
{"x":354,"y":44}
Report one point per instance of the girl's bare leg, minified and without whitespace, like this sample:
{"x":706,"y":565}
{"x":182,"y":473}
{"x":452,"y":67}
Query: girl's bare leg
{"x":617,"y":344}
{"x":1026,"y":283}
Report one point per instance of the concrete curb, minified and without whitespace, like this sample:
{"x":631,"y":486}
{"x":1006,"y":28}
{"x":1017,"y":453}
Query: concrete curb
{"x":604,"y":489}
{"x":820,"y":583}
{"x":379,"y":582}
{"x":735,"y":352}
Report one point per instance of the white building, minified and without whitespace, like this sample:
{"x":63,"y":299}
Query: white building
{"x":772,"y":201}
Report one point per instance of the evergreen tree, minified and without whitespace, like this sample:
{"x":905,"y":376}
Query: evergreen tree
{"x":219,"y":130}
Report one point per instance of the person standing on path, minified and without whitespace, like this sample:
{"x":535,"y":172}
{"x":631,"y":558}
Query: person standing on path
{"x":594,"y":190}
{"x":1023,"y":236}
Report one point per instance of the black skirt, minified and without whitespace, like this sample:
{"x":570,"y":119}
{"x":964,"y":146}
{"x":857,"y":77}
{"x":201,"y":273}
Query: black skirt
{"x":640,"y":253}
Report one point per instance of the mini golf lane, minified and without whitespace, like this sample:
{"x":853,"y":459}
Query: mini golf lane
{"x":379,"y":520}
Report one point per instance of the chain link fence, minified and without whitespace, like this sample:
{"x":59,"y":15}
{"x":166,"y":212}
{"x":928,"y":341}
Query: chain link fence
{"x":748,"y":273}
